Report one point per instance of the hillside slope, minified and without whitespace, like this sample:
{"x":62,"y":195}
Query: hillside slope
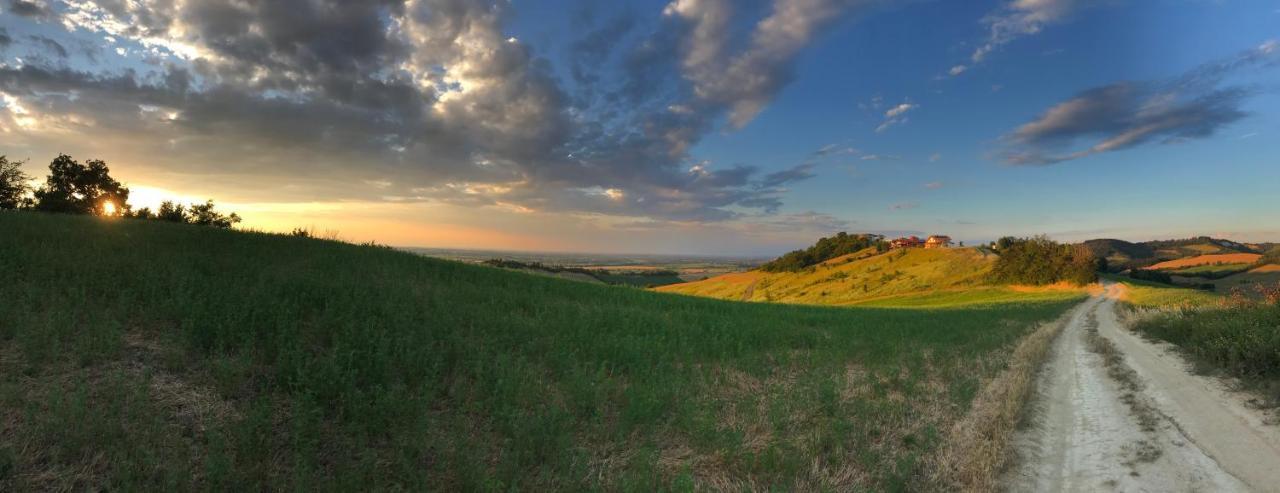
{"x":911,"y":277}
{"x":146,"y":356}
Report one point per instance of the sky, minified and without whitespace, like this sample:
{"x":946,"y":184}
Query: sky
{"x":720,"y":127}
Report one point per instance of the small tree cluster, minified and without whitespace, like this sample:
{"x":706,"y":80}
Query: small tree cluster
{"x":1039,"y":261}
{"x":825,"y":249}
{"x":197,"y":214}
{"x":73,"y":187}
{"x":76,"y":188}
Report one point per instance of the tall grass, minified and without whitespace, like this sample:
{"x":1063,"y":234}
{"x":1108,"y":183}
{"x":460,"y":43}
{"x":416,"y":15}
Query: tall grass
{"x":1243,"y":339}
{"x":143,"y":356}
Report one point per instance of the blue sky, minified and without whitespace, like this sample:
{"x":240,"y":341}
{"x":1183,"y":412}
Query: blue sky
{"x":687,"y":126}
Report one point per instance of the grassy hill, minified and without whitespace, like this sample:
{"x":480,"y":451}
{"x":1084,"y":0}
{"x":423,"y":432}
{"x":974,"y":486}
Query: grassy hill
{"x":909,"y":277}
{"x":138,"y":355}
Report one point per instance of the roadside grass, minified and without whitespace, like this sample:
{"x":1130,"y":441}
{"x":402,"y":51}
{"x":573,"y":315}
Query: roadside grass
{"x":1242,"y":339}
{"x":150,"y":356}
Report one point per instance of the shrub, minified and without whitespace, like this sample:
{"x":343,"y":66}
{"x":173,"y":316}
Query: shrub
{"x":1040,"y":261}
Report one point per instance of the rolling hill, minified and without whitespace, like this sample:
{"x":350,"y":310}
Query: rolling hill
{"x":1122,"y":255}
{"x":148,"y":356}
{"x":908,"y":277}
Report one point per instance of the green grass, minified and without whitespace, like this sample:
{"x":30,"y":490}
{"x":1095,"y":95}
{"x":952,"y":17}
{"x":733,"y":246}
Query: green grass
{"x":638,"y":280}
{"x":1147,"y":294}
{"x":1244,"y":340}
{"x":976,"y":297}
{"x":147,"y":356}
{"x":1212,"y":271}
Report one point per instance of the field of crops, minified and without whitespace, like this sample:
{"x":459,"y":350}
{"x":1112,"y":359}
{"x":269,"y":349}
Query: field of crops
{"x":152,"y":356}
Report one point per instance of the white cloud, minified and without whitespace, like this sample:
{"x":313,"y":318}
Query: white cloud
{"x":896,"y":115}
{"x":1017,"y":19}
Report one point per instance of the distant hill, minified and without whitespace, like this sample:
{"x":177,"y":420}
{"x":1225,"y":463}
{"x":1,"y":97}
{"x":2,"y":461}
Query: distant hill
{"x":1122,"y":255}
{"x":869,"y":277}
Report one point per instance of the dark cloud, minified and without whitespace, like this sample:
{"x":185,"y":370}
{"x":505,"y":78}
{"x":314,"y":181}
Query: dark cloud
{"x":5,"y":40}
{"x":429,"y":98}
{"x":37,"y":9}
{"x":1128,"y":114}
{"x":50,"y":45}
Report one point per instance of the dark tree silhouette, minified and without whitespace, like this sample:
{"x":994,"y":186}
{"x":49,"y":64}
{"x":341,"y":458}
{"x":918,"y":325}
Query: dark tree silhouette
{"x":76,"y":188}
{"x":143,"y":213}
{"x":13,"y":184}
{"x":204,"y":215}
{"x":172,"y":212}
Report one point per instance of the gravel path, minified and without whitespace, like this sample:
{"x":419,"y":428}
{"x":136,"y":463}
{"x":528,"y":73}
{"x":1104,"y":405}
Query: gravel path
{"x":1138,"y":420}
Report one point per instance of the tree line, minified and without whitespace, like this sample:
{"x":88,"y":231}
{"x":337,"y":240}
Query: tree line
{"x":88,"y":188}
{"x":825,"y":249}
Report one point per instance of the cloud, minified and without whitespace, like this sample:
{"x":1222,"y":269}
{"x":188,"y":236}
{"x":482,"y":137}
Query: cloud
{"x":1017,"y":19}
{"x":934,"y":185}
{"x":745,"y":81}
{"x":1128,"y":114}
{"x":904,"y":206}
{"x":38,"y":9}
{"x":880,"y":157}
{"x":834,"y":150}
{"x":50,"y":45}
{"x":433,"y":97}
{"x":896,"y":115}
{"x":5,"y":40}
{"x":935,"y":157}
{"x":793,"y":174}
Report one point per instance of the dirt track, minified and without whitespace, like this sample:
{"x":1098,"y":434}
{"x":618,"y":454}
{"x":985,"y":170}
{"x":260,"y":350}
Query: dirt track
{"x":1160,"y":428}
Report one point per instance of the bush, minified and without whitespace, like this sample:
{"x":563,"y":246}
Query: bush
{"x":1039,"y":261}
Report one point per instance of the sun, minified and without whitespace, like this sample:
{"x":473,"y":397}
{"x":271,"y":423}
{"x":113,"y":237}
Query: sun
{"x":108,"y":208}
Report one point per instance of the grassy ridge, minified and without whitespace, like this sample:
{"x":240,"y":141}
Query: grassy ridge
{"x":155,"y":356}
{"x":856,"y":278}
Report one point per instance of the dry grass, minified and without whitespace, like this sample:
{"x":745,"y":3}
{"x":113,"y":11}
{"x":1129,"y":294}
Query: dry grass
{"x":977,"y":446}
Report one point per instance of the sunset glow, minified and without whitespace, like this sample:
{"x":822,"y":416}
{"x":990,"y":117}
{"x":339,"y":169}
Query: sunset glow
{"x":681,"y":127}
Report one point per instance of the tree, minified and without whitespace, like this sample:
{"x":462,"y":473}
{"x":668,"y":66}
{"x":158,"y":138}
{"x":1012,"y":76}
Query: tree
{"x":204,"y":215}
{"x":143,"y":213}
{"x":825,"y":249}
{"x":13,"y":184}
{"x":1040,"y":261}
{"x":172,"y":212}
{"x":76,"y":188}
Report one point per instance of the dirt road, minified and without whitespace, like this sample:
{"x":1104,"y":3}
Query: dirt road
{"x":1115,"y":412}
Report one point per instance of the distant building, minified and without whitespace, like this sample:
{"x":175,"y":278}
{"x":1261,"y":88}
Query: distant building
{"x":907,"y":242}
{"x":938,"y":241}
